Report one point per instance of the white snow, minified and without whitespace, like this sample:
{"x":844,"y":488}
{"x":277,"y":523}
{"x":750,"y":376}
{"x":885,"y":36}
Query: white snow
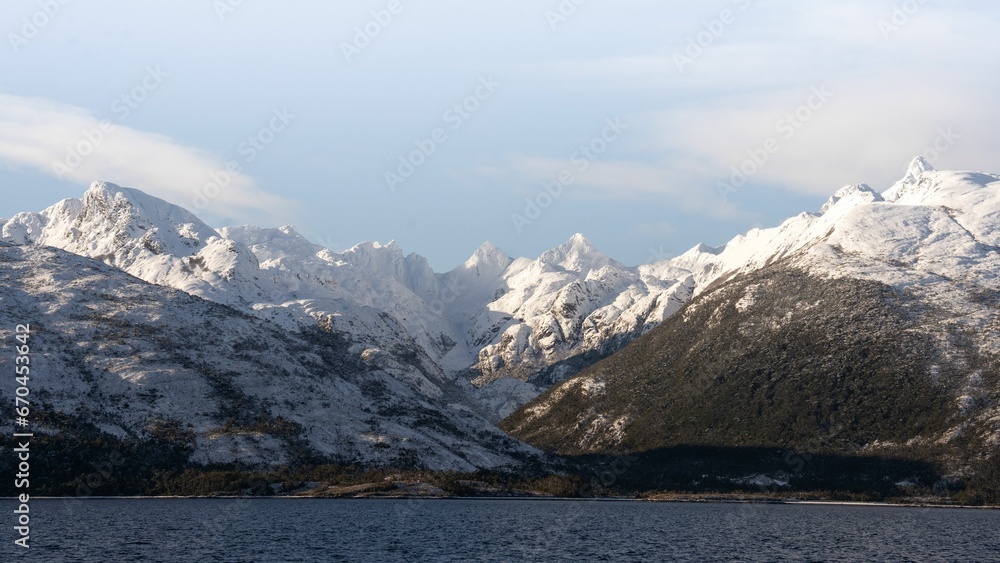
{"x":499,"y":318}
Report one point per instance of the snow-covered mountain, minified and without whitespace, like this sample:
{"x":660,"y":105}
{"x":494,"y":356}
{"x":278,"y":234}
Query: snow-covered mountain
{"x":511,"y":327}
{"x":871,"y":327}
{"x":571,"y":301}
{"x":933,"y":233}
{"x":142,"y":363}
{"x":505,"y":329}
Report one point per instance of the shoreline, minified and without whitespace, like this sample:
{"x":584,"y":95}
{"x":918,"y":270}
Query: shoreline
{"x":706,"y":500}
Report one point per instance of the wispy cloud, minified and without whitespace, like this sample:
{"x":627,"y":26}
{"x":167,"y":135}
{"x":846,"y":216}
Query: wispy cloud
{"x":72,"y":144}
{"x":899,"y":79}
{"x":675,"y":182}
{"x":866,"y":133}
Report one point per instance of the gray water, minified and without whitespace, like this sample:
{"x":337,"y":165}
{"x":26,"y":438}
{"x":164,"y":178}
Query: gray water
{"x":495,"y":530}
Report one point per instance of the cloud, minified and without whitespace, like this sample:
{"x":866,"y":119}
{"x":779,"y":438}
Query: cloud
{"x":679,"y":184}
{"x":71,"y":144}
{"x":896,"y":91}
{"x":867,"y":132}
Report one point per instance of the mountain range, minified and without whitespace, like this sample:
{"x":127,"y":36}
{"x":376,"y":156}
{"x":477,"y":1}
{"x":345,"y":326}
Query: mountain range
{"x":869,"y":328}
{"x":510,"y":327}
{"x":869,"y":325}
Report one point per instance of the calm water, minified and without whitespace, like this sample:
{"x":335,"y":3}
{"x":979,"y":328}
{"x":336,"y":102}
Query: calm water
{"x":496,"y":530}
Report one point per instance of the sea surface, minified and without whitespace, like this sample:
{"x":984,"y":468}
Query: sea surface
{"x":494,"y":530}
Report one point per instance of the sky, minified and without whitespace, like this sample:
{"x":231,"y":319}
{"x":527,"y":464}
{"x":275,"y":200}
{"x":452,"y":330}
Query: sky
{"x":649,"y":126}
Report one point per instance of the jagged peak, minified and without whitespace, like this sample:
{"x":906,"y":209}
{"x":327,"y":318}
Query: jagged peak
{"x":101,"y":187}
{"x":370,"y":247}
{"x":916,"y":170}
{"x":702,"y":248}
{"x":102,"y":194}
{"x":489,"y":250}
{"x":578,"y":254}
{"x":577,"y":242}
{"x":918,"y":166}
{"x":291,"y":230}
{"x":488,"y":254}
{"x":108,"y":192}
{"x":857,"y":194}
{"x":113,"y":202}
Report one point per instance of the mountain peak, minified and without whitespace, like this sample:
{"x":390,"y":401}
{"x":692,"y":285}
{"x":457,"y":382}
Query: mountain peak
{"x":101,"y":197}
{"x":290,"y":230}
{"x":100,"y":186}
{"x":918,"y":167}
{"x":127,"y":208}
{"x":702,"y":248}
{"x":108,"y":192}
{"x":488,"y":248}
{"x":579,"y":255}
{"x":856,"y":194}
{"x":488,"y":256}
{"x":578,"y":242}
{"x":375,"y":246}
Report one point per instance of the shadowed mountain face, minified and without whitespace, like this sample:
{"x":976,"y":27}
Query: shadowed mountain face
{"x":781,"y":358}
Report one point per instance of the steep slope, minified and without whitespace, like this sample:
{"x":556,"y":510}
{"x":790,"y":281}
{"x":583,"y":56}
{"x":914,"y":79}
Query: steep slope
{"x":130,"y":358}
{"x":871,"y":327}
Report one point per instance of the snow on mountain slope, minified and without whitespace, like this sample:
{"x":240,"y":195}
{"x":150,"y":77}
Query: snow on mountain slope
{"x":514,"y":327}
{"x":148,"y":238}
{"x":571,"y":301}
{"x":491,"y":318}
{"x":356,"y":292}
{"x":929,"y":224}
{"x":165,"y":245}
{"x":127,"y":356}
{"x":934,"y":235}
{"x":871,"y":327}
